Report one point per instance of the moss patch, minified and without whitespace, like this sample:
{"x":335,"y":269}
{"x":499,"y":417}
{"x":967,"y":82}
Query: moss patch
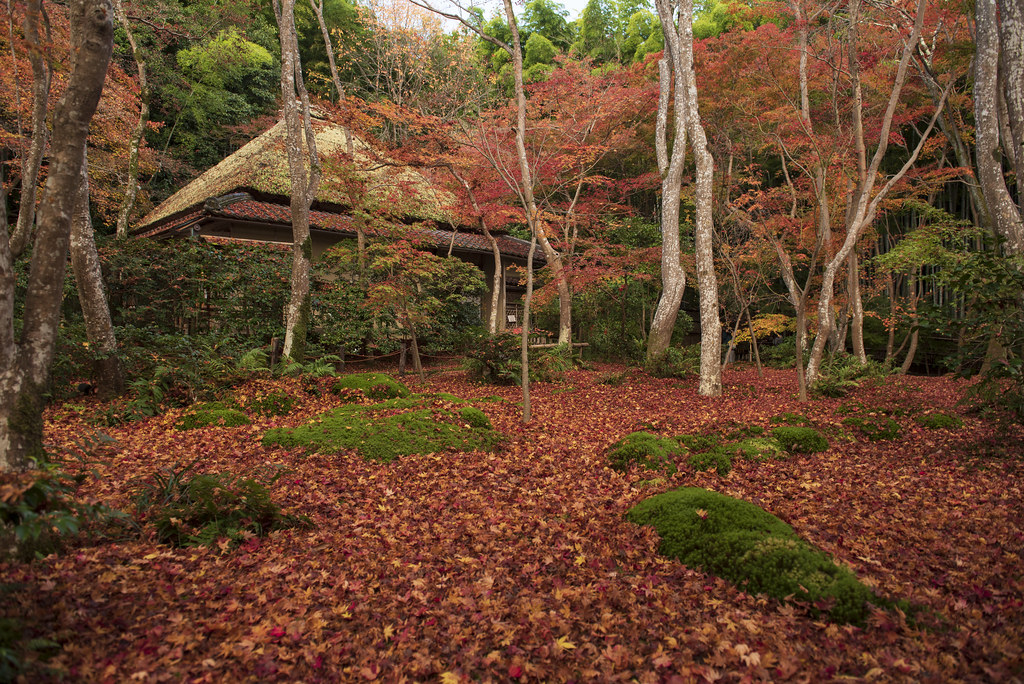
{"x":645,"y":450}
{"x":418,"y":424}
{"x":273,"y":404}
{"x":742,"y":543}
{"x":791,"y":419}
{"x":210,"y":414}
{"x":874,"y":428}
{"x":475,"y":417}
{"x":802,"y":440}
{"x":375,"y":386}
{"x":940,"y":421}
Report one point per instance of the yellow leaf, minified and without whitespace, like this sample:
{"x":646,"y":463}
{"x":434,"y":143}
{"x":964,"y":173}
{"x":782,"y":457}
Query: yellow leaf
{"x":449,"y":678}
{"x":389,"y":631}
{"x":564,"y":643}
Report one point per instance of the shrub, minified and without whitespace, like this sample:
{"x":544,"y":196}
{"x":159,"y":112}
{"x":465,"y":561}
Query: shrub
{"x":802,"y":440}
{"x":496,"y":360}
{"x":475,"y":417}
{"x":39,"y":509}
{"x":745,"y":544}
{"x":717,"y":458}
{"x":643,"y":449}
{"x":781,"y":355}
{"x":211,"y":414}
{"x":791,"y":419}
{"x":676,"y":362}
{"x":549,"y":364}
{"x":699,"y":442}
{"x":273,"y":404}
{"x":375,"y":386}
{"x":844,"y":372}
{"x":188,"y":509}
{"x":875,"y":428}
{"x":426,"y":424}
{"x":939,"y":421}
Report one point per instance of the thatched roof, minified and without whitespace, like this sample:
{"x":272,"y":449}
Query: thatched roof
{"x":261,"y":166}
{"x":243,"y":207}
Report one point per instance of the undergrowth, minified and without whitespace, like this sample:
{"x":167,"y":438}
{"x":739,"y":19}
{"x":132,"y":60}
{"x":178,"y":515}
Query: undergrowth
{"x":424,"y":424}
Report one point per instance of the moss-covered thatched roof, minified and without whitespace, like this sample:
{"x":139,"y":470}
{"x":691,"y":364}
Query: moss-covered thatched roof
{"x":262,"y":165}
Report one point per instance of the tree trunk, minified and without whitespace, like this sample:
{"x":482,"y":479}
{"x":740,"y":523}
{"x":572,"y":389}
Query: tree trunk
{"x":707,"y":279}
{"x":1002,"y":211}
{"x":132,"y":184}
{"x":1011,"y":65}
{"x":524,"y":336}
{"x":25,"y":365}
{"x":85,"y":262}
{"x":304,"y":185}
{"x":856,"y":307}
{"x":671,"y":88}
{"x":31,"y":164}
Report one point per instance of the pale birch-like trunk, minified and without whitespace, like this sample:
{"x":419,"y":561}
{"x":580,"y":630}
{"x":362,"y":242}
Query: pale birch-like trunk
{"x":912,"y":350}
{"x":131,"y":190}
{"x":865,"y":197}
{"x":673,"y":277}
{"x":1004,"y":214}
{"x":35,"y":14}
{"x":496,"y":280}
{"x":856,"y":307}
{"x":92,"y":297}
{"x":524,"y":334}
{"x":25,"y":364}
{"x":304,"y":184}
{"x":1011,"y":65}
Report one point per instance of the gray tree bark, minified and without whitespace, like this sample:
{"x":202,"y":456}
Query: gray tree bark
{"x":673,"y":277}
{"x":304,"y":184}
{"x":85,"y":263}
{"x":35,"y":14}
{"x":1004,"y":214}
{"x":131,"y":187}
{"x":25,"y":365}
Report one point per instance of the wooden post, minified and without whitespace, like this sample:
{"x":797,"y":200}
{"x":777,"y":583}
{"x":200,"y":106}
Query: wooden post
{"x":340,"y":365}
{"x":275,"y":351}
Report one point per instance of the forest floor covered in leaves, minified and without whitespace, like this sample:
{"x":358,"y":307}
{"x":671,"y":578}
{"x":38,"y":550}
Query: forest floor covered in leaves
{"x":519,"y":564}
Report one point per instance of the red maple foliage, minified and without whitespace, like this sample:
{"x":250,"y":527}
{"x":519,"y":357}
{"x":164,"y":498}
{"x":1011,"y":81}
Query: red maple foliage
{"x":519,"y":565}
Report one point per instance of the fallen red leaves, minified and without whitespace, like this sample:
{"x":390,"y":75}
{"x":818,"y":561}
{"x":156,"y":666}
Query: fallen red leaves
{"x":518,"y":565}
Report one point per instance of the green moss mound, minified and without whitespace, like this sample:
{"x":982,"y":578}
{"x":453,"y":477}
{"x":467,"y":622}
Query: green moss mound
{"x":643,"y":449}
{"x":375,"y":386}
{"x":875,"y":428}
{"x":418,"y":424}
{"x":719,"y":459}
{"x":699,"y":442}
{"x":940,"y":421}
{"x":211,"y":414}
{"x":791,"y":419}
{"x":759,"y":449}
{"x":475,"y":417}
{"x":801,"y":440}
{"x":745,"y":544}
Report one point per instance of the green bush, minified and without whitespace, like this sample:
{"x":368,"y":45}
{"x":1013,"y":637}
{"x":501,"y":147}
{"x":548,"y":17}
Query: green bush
{"x":699,"y":442}
{"x":426,"y":424}
{"x":782,"y":355}
{"x":188,"y":509}
{"x":375,"y":386}
{"x":842,"y":373}
{"x":475,"y":417}
{"x":39,"y":510}
{"x":802,"y":440}
{"x":548,"y":365}
{"x":643,"y":449}
{"x":211,"y":414}
{"x":791,"y":419}
{"x":744,"y":544}
{"x":495,"y":360}
{"x":676,"y":362}
{"x":273,"y":404}
{"x":875,"y":428}
{"x":939,"y":421}
{"x":717,"y":458}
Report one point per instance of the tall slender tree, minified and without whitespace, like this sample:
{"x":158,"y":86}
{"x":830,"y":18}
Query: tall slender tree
{"x":25,"y":363}
{"x":304,"y":174}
